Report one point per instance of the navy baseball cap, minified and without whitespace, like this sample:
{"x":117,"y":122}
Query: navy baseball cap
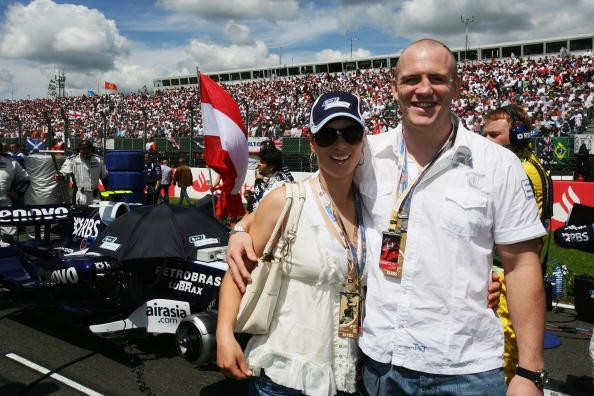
{"x":331,"y":105}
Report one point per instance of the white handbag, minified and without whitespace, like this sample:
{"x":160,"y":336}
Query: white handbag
{"x":259,"y":301}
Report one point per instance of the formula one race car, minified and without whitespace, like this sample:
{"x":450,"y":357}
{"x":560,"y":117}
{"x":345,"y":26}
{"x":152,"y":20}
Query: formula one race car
{"x":119,"y":270}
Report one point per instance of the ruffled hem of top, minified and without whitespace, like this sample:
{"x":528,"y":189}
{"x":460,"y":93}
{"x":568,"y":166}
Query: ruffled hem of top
{"x":308,"y":377}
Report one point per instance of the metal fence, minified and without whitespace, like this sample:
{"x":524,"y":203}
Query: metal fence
{"x":298,"y":157}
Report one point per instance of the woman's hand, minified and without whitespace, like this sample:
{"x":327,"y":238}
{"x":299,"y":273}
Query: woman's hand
{"x":230,"y":358}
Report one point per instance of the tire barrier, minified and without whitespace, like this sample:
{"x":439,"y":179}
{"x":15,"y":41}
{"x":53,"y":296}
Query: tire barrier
{"x":123,"y":180}
{"x":125,"y":172}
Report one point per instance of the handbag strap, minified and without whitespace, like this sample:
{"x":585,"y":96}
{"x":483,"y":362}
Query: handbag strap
{"x":291,"y":230}
{"x":294,"y":214}
{"x":281,"y":219}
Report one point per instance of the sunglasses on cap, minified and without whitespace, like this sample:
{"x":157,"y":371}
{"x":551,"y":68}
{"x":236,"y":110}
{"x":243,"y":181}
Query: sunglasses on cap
{"x":327,"y":136}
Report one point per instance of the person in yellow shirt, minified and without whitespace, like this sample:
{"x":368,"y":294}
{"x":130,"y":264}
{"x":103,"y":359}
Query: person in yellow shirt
{"x":510,"y":126}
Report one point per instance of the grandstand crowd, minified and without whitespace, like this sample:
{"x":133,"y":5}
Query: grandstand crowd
{"x":557,"y":91}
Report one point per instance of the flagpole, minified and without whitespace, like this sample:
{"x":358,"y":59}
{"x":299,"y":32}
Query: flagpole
{"x":192,"y":112}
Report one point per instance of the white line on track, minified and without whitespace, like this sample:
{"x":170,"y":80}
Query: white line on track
{"x":57,"y":377}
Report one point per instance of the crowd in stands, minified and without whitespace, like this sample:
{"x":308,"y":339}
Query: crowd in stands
{"x":557,"y":91}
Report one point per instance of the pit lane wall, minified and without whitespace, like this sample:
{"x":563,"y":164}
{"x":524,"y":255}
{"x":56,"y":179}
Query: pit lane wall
{"x":203,"y":177}
{"x":565,"y":193}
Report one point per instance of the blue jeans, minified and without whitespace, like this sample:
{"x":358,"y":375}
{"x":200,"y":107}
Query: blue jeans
{"x":386,"y":379}
{"x":263,"y":386}
{"x":183,"y":194}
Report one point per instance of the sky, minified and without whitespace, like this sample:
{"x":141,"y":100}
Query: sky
{"x":130,"y":42}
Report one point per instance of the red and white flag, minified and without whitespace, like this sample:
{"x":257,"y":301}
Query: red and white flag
{"x":174,"y":142}
{"x":110,"y":86}
{"x":225,"y":144}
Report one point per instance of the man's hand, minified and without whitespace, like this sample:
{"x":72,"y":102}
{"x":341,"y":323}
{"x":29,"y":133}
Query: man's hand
{"x":58,"y":176}
{"x":494,"y":291}
{"x":240,"y":250}
{"x":521,"y":386}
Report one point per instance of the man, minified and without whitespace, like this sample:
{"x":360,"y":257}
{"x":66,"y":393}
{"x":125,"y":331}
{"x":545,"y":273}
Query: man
{"x":85,"y":170}
{"x":510,"y":127}
{"x":152,"y":178}
{"x":150,"y":146}
{"x":269,"y":175}
{"x":11,"y":174}
{"x":284,"y":168}
{"x":16,"y":155}
{"x":427,"y":329}
{"x":183,"y":178}
{"x":165,"y":181}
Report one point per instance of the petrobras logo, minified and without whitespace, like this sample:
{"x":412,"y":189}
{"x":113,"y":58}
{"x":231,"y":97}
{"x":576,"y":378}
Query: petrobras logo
{"x":84,"y":227}
{"x":64,"y":276}
{"x":34,"y":214}
{"x":188,"y":276}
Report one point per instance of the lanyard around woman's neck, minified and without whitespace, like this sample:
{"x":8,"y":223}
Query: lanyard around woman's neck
{"x":329,"y":208}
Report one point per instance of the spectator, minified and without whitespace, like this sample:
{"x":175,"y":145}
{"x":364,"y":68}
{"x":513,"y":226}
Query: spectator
{"x":11,"y":173}
{"x":269,"y":174}
{"x":165,"y":182}
{"x":509,"y":126}
{"x":15,"y":153}
{"x":19,"y":189}
{"x":183,"y":178}
{"x":582,"y":166}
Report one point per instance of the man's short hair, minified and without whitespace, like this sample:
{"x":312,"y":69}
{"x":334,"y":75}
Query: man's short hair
{"x":435,"y":44}
{"x":85,"y":144}
{"x":272,"y":156}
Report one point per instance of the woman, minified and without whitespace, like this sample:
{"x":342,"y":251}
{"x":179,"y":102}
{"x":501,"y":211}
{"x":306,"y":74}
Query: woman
{"x":310,"y":347}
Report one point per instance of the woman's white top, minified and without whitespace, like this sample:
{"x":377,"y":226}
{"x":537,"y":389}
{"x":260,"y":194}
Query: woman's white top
{"x":302,"y":349}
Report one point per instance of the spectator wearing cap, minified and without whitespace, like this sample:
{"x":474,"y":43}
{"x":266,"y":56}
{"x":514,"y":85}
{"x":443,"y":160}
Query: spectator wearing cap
{"x":85,"y":170}
{"x":321,"y":282}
